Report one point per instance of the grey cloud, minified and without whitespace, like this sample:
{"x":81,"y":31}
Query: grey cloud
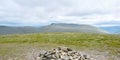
{"x":32,"y":12}
{"x":37,"y":3}
{"x":9,"y":23}
{"x":110,"y":23}
{"x":86,"y":13}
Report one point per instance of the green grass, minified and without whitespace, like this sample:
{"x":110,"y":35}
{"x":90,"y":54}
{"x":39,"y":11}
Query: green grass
{"x":76,"y":39}
{"x":101,"y":42}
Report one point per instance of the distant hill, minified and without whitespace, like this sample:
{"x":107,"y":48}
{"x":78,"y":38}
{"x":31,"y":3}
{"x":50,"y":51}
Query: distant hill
{"x":112,"y":29}
{"x":17,"y":30}
{"x":54,"y":27}
{"x":63,"y":27}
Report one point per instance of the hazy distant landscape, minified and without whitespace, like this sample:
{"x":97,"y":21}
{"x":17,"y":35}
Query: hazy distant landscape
{"x":112,"y":29}
{"x":54,"y":27}
{"x":59,"y":27}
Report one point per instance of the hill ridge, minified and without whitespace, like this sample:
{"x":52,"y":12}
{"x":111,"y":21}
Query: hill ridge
{"x":54,"y":27}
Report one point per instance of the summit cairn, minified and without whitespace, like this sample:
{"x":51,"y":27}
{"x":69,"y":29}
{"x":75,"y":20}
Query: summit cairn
{"x":62,"y":53}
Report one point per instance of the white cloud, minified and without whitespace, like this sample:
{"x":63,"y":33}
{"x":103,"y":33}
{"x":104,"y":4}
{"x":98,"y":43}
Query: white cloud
{"x":39,"y":12}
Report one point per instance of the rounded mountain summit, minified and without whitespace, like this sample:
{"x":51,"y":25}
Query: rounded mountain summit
{"x":67,"y":27}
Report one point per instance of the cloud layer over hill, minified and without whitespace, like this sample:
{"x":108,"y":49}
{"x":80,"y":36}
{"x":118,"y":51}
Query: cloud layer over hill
{"x":40,"y":12}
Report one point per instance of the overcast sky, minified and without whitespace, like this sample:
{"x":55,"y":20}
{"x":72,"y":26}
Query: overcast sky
{"x":43,"y":12}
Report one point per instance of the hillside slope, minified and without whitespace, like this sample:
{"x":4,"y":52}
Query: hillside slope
{"x":55,"y":27}
{"x":63,"y":27}
{"x":17,"y":30}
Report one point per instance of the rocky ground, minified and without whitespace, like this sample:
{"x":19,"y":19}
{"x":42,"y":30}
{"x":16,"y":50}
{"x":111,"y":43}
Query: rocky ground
{"x":63,"y":53}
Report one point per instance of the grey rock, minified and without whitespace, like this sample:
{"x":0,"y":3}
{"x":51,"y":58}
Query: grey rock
{"x":62,"y":53}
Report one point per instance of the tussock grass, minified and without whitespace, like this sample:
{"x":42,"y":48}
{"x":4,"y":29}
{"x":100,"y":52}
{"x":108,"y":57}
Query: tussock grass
{"x":77,"y":39}
{"x":10,"y":44}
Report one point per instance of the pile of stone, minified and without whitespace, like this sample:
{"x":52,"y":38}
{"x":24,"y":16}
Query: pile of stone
{"x":62,"y":53}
